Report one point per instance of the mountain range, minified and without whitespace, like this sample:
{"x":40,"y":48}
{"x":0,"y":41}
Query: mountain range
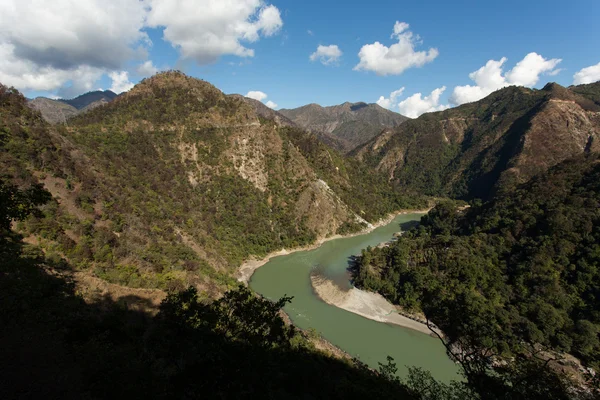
{"x":477,"y":149}
{"x":344,"y":126}
{"x":60,"y":110}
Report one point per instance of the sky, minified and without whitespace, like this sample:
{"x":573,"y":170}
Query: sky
{"x":408,"y":56}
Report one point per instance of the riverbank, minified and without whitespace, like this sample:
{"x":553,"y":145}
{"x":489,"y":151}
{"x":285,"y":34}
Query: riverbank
{"x":248,"y":267}
{"x":367,"y":304}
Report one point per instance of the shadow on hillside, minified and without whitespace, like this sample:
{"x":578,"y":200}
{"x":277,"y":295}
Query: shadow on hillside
{"x":54,"y":345}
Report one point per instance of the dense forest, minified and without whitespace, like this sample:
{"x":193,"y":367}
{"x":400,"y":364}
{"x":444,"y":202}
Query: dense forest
{"x":515,"y":277}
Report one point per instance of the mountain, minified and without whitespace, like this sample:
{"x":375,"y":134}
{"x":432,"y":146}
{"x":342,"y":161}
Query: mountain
{"x":477,"y":149}
{"x":53,"y":111}
{"x":86,"y":99}
{"x":345,"y":126}
{"x":58,"y":111}
{"x":174,"y":183}
{"x":591,"y":91}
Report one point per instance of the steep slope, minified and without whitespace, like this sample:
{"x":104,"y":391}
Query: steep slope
{"x":345,"y":126}
{"x":478,"y":148}
{"x":265,"y":112}
{"x":175,"y":182}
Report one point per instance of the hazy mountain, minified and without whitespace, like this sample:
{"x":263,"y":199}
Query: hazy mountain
{"x":86,"y":99}
{"x":345,"y":126}
{"x":58,"y":111}
{"x":53,"y":111}
{"x":477,"y":148}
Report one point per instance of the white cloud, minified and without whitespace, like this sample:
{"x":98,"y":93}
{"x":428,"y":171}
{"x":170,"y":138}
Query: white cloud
{"x":256,"y":95}
{"x":67,"y":45}
{"x":65,"y":34}
{"x":587,"y":75}
{"x":397,"y":58}
{"x":204,"y":30}
{"x":271,"y":104}
{"x":327,"y":55}
{"x":311,"y":33}
{"x":527,"y":71}
{"x":390,"y":102}
{"x":120,"y":82}
{"x":490,"y":77}
{"x":147,"y":68}
{"x":416,"y":104}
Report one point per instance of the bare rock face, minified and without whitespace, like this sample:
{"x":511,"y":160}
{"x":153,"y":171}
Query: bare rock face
{"x":477,"y":149}
{"x":344,"y":126}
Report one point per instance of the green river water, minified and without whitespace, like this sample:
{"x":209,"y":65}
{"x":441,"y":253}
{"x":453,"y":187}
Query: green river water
{"x":366,"y":339}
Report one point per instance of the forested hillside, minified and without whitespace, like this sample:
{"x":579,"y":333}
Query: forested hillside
{"x":478,"y":149}
{"x":513,"y":277}
{"x":175,"y":183}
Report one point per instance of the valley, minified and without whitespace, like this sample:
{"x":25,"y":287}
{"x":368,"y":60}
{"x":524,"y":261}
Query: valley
{"x":137,"y":214}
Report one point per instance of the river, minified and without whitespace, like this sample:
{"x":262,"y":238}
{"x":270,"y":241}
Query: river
{"x":366,"y":339}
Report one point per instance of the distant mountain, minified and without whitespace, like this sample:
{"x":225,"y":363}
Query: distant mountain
{"x":53,"y":111}
{"x":85,"y":100}
{"x":58,"y":111}
{"x":345,"y":126}
{"x":474,"y":150}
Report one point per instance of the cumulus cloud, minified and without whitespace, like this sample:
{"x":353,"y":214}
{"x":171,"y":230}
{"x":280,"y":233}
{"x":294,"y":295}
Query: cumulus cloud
{"x":271,"y":104}
{"x":204,"y":30}
{"x":397,"y":58}
{"x":147,"y":68}
{"x":416,"y":104}
{"x":392,"y":101}
{"x":66,"y":46}
{"x":120,"y":82}
{"x":490,"y":77}
{"x":587,"y":75}
{"x":327,"y":55}
{"x":256,"y":95}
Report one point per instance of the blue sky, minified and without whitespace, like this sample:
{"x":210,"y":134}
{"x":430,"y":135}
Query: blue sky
{"x":464,"y":36}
